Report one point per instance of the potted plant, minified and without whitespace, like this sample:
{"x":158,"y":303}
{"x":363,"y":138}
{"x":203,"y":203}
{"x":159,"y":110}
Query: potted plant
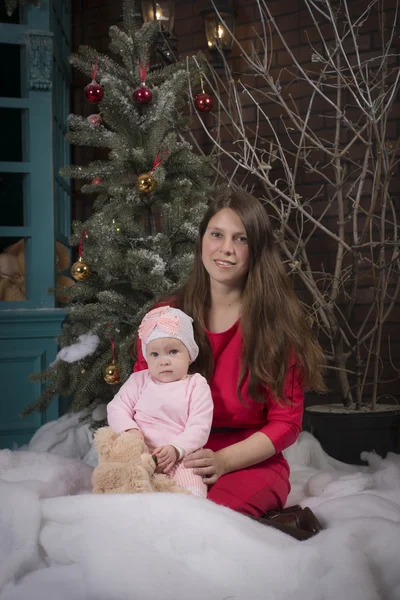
{"x":321,"y":147}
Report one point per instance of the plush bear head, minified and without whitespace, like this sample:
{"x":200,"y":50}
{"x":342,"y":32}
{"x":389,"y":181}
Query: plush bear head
{"x":118,"y":447}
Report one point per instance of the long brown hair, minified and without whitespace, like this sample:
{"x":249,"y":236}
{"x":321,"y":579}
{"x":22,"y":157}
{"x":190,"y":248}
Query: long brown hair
{"x":272,"y":320}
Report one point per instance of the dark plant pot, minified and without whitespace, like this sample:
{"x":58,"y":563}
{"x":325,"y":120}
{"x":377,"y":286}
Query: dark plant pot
{"x":345,"y":435}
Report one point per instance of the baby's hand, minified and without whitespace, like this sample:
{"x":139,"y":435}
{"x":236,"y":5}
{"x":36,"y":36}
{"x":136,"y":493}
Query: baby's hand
{"x":166,"y":458}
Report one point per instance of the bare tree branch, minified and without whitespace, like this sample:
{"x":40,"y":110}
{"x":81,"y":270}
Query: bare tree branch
{"x":346,"y":167}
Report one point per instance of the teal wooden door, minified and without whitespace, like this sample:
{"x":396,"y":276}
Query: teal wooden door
{"x":34,"y":45}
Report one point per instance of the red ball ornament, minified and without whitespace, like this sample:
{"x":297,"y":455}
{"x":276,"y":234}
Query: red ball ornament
{"x":143,"y":95}
{"x":94,"y":92}
{"x":96,"y":181}
{"x":204,"y":102}
{"x":96,"y":120}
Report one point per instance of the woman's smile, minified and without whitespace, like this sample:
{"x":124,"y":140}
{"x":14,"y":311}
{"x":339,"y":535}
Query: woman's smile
{"x":224,"y":264}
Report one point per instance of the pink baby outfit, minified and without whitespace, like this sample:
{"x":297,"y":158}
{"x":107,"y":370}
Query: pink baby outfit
{"x":177,"y":414}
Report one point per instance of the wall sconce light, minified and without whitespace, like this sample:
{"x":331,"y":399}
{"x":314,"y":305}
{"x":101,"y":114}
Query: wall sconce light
{"x":163,"y":12}
{"x":219,"y":24}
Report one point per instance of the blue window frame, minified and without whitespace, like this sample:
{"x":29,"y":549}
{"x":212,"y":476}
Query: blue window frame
{"x":35,"y":204}
{"x":34,"y":106}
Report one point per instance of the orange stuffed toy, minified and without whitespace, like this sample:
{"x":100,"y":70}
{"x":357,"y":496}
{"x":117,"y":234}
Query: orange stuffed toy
{"x":12,"y":272}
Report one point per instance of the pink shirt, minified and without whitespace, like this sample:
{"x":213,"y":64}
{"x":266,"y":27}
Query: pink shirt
{"x":177,"y":413}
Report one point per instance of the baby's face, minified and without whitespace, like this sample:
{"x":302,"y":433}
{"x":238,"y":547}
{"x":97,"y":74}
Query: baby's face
{"x":168,"y":360}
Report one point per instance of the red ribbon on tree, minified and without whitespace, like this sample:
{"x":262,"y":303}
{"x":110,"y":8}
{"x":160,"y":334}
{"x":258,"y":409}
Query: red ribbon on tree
{"x":84,"y":235}
{"x":95,"y":70}
{"x":143,"y":71}
{"x":113,"y":349}
{"x":158,"y":160}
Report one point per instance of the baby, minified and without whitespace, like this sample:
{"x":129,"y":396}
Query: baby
{"x":169,"y":408}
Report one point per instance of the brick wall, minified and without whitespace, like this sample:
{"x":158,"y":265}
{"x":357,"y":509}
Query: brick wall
{"x":91,"y":20}
{"x":294,"y":22}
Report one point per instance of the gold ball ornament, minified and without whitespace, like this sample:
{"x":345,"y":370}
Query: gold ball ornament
{"x":81,"y":270}
{"x":145,"y":183}
{"x":111,"y":374}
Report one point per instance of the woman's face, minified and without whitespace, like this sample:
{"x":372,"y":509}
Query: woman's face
{"x":225,"y":253}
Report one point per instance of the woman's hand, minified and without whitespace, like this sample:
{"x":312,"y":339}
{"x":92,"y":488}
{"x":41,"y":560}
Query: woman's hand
{"x":206,"y":463}
{"x":166,"y":458}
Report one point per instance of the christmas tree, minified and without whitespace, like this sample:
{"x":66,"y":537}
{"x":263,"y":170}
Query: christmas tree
{"x":151,"y":192}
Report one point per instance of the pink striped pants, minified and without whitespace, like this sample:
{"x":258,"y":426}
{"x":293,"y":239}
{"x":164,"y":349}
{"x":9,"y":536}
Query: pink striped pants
{"x":188,"y":480}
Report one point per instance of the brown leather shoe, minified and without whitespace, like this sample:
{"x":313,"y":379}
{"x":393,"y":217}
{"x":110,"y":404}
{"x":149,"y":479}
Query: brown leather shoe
{"x":308,"y":521}
{"x":295,"y":516}
{"x":297,"y":534}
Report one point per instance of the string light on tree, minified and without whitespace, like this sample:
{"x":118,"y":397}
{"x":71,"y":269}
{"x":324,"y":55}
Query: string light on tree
{"x":143,"y":94}
{"x":111,"y":372}
{"x":145,"y":182}
{"x":116,"y":226}
{"x":96,"y":181}
{"x":81,"y":270}
{"x":93,"y":91}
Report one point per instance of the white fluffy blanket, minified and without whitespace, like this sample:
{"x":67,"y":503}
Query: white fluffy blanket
{"x":59,"y":541}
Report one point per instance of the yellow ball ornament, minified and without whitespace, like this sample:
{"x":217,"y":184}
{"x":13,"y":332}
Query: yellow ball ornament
{"x":111,"y":374}
{"x":145,"y":183}
{"x":81,"y":270}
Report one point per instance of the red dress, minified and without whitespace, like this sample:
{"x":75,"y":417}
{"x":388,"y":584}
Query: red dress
{"x":264,"y":486}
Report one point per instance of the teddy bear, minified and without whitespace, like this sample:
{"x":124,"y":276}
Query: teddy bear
{"x":12,"y":272}
{"x":126,"y":467}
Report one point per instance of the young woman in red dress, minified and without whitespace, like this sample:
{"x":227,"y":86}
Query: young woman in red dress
{"x":256,"y":351}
